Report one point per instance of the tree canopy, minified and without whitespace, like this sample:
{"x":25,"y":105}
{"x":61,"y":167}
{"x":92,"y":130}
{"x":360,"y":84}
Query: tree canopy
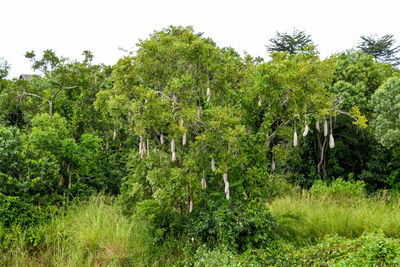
{"x":382,"y":48}
{"x":297,"y":41}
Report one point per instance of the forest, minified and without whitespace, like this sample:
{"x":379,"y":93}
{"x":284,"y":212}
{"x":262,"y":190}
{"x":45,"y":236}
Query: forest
{"x":185,"y":153}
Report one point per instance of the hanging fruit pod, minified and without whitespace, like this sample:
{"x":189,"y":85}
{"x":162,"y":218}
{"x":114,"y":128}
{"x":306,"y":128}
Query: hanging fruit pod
{"x":273,"y":165}
{"x":325,"y":128}
{"x":148,"y":147}
{"x":162,"y":139}
{"x":203,"y":183}
{"x":331,"y":141}
{"x":114,"y":134}
{"x":295,"y":139}
{"x":213,"y":164}
{"x":259,"y":101}
{"x":305,"y":131}
{"x":140,"y":144}
{"x":225,"y":177}
{"x":191,"y":204}
{"x":142,"y":147}
{"x":173,"y":149}
{"x":184,"y":139}
{"x":208,"y":94}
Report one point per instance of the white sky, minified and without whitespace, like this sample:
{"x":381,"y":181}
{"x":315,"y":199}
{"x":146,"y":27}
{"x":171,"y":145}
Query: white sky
{"x":71,"y":26}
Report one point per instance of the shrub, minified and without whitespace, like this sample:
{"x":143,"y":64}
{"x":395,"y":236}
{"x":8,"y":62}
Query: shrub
{"x":236,"y":225}
{"x":338,"y":189}
{"x":220,"y":256}
{"x":370,"y":249}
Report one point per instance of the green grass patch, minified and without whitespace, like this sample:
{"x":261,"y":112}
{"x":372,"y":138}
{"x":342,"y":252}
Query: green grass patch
{"x":91,"y":233}
{"x":306,"y":219}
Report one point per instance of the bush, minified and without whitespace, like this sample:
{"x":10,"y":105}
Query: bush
{"x":370,"y":249}
{"x":338,"y":189}
{"x":220,"y":256}
{"x":236,"y":225}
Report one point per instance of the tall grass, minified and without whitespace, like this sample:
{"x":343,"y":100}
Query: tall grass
{"x":92,"y":233}
{"x":307,"y":218}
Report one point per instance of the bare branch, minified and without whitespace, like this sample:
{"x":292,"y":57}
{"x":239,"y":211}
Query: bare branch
{"x":164,"y":95}
{"x":51,"y":79}
{"x":272,"y":136}
{"x":62,"y":88}
{"x":34,"y":95}
{"x":322,"y":155}
{"x":345,"y":113}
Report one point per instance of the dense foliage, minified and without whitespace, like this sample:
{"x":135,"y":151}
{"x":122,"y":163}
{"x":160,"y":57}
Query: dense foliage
{"x":200,"y":144}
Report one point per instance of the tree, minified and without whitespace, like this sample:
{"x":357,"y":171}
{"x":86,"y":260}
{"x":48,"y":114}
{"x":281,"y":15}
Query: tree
{"x":386,"y":102}
{"x":25,"y":181}
{"x":356,"y":78}
{"x":381,"y":48}
{"x":209,"y":126}
{"x":180,"y":96}
{"x":77,"y":160}
{"x":4,"y":68}
{"x":55,"y":70}
{"x":293,"y":43}
{"x":293,"y":96}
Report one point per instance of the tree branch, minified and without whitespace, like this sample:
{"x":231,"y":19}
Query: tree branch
{"x":34,"y":95}
{"x":62,"y":88}
{"x":345,"y":113}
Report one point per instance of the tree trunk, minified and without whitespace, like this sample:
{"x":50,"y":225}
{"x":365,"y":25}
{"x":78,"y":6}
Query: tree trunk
{"x":69,"y":176}
{"x":51,"y":109}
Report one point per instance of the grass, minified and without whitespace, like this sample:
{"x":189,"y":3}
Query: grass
{"x":92,"y":233}
{"x":96,"y":233}
{"x":307,"y":219}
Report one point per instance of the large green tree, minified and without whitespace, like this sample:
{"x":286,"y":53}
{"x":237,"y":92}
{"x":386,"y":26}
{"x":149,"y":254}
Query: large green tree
{"x":209,"y":125}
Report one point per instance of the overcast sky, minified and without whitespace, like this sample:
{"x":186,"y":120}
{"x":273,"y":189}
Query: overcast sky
{"x":71,"y":26}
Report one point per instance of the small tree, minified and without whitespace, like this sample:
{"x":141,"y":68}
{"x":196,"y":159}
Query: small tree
{"x":4,"y":68}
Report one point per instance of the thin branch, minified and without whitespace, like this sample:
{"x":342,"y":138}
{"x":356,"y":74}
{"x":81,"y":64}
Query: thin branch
{"x":272,"y":136}
{"x":345,"y":113}
{"x":161,"y":93}
{"x":51,"y":79}
{"x":322,"y":155}
{"x":38,"y":96}
{"x":62,"y":88}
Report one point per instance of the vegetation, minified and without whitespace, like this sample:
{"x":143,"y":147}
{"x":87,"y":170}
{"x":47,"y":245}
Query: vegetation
{"x":293,"y":43}
{"x":185,"y":153}
{"x":382,"y":48}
